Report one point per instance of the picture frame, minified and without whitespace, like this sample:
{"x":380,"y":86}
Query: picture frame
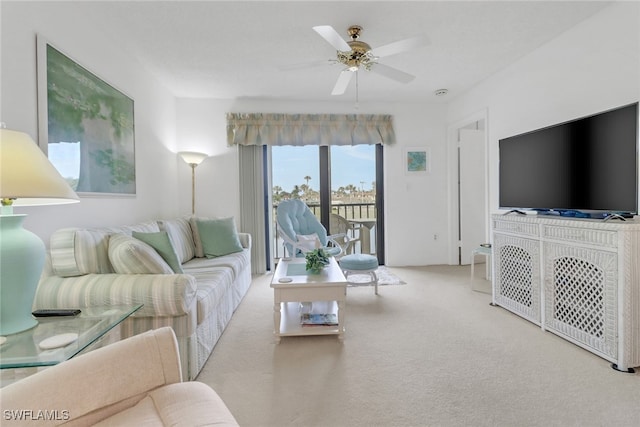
{"x":85,"y":126}
{"x":417,"y":161}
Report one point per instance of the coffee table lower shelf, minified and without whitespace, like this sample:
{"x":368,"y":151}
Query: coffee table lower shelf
{"x":290,"y":323}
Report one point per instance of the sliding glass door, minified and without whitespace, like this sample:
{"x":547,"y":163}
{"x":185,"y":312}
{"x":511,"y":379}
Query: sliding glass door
{"x":342,"y":185}
{"x":353,"y":195}
{"x":295,"y":173}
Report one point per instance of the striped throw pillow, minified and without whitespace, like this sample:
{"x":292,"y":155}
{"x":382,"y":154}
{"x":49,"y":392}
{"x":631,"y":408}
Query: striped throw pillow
{"x":132,"y":256}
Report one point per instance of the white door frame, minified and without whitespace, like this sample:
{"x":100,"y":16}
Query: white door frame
{"x":452,"y":179}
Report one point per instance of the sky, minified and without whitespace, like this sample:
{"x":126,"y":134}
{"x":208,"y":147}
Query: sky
{"x":352,"y":164}
{"x":66,"y":158}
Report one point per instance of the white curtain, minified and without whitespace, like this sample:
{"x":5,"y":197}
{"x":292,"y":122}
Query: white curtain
{"x":309,"y":129}
{"x":252,"y":205}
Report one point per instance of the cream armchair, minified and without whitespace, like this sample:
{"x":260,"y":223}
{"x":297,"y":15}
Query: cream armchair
{"x":136,"y":381}
{"x":340,"y":226}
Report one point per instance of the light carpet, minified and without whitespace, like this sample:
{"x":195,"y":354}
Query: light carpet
{"x":432,"y":353}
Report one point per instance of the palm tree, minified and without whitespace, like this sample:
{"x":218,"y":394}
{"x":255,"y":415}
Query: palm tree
{"x":351,"y":189}
{"x":307,"y":178}
{"x":277,"y":193}
{"x":305,"y":191}
{"x":295,"y":193}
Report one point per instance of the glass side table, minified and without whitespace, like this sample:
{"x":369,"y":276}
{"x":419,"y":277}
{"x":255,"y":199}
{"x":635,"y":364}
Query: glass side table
{"x":485,"y":250}
{"x":22,"y":350}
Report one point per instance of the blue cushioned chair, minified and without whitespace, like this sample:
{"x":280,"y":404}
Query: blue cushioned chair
{"x":360,"y":264}
{"x":295,"y":219}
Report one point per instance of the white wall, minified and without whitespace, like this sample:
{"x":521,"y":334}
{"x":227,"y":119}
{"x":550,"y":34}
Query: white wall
{"x":202,"y":127}
{"x":415,"y":206}
{"x":591,"y":68}
{"x":156,"y":163}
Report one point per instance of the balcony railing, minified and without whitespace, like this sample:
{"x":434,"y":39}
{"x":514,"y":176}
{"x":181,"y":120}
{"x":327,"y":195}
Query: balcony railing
{"x":350,"y":211}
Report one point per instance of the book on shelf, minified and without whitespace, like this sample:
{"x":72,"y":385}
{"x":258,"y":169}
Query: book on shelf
{"x":313,"y":319}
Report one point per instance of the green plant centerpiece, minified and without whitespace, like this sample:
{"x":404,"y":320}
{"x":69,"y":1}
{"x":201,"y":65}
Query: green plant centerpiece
{"x":317,"y":259}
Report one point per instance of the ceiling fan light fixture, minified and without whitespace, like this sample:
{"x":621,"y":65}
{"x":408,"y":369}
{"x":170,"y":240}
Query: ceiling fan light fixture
{"x":360,"y":53}
{"x":356,"y":58}
{"x":357,"y":55}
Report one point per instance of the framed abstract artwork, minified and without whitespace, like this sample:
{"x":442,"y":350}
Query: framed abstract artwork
{"x":417,"y":161}
{"x":85,"y":125}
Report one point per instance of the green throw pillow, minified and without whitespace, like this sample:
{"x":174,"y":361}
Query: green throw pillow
{"x":162,"y":244}
{"x":218,"y":236}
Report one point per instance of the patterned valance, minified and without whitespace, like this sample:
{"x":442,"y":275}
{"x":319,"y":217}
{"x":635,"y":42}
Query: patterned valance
{"x":309,"y":129}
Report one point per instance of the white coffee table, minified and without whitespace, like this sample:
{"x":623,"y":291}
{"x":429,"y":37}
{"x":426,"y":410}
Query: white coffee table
{"x":293,"y":285}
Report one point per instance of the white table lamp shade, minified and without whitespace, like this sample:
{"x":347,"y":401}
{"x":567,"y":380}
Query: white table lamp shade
{"x":27,"y":178}
{"x":27,"y":175}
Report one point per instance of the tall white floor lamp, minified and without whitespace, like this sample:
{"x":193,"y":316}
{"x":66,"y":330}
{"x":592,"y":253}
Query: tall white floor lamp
{"x":193,"y":159}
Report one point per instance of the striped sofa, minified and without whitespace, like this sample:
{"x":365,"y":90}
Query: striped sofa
{"x":197,"y":304}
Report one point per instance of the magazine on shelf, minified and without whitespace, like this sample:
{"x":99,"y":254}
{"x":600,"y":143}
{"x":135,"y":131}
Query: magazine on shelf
{"x":312,"y":319}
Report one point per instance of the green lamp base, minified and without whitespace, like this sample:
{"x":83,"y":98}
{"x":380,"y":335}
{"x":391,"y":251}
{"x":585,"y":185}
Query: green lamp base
{"x":21,"y":260}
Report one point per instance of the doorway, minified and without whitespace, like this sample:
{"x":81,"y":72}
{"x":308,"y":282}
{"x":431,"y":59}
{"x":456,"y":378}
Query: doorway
{"x":468,"y":158}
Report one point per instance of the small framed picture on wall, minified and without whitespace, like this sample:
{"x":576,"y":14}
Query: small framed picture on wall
{"x":417,"y":161}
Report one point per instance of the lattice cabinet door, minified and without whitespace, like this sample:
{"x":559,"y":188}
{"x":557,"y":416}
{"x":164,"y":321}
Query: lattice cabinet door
{"x":516,"y":284}
{"x":581,"y":296}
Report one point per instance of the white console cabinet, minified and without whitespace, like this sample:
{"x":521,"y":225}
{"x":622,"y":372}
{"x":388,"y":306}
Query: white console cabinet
{"x":577,"y":278}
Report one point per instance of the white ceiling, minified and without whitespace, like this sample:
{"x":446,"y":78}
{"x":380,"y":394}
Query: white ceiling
{"x":236,"y":49}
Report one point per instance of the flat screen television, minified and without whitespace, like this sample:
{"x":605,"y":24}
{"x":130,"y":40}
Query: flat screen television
{"x":588,"y":165}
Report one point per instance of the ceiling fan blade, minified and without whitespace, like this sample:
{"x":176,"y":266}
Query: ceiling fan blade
{"x":392,"y":73}
{"x":343,"y":81}
{"x":329,"y":34}
{"x":399,"y":47}
{"x":303,"y":65}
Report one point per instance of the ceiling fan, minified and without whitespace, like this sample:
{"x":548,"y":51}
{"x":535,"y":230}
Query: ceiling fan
{"x":356,"y":55}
